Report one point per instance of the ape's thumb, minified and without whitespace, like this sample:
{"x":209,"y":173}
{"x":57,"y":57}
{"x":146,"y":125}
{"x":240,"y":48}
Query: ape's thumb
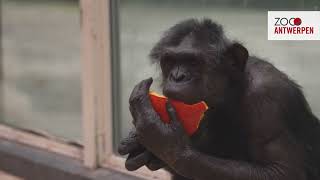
{"x":172,"y":114}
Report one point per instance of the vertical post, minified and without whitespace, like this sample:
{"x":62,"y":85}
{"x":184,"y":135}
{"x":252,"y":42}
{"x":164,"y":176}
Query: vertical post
{"x":116,"y":75}
{"x":1,"y":69}
{"x":96,"y":80}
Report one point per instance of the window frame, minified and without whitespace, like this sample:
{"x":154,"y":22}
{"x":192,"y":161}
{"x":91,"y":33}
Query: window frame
{"x":38,"y":141}
{"x":100,"y":17}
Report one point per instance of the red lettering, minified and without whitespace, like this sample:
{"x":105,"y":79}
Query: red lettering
{"x":293,"y":30}
{"x":311,"y":30}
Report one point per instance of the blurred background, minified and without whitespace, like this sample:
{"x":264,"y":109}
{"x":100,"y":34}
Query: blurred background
{"x":41,"y":68}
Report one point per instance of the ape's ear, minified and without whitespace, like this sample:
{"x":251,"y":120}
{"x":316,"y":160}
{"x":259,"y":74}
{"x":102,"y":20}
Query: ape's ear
{"x":237,"y":56}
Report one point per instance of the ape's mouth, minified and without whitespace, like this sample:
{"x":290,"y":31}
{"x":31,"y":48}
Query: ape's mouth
{"x":175,"y":94}
{"x":187,"y":99}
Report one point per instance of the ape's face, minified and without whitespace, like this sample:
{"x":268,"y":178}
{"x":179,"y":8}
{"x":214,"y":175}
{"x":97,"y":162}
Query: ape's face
{"x":188,"y":76}
{"x":182,"y":78}
{"x":199,"y":65}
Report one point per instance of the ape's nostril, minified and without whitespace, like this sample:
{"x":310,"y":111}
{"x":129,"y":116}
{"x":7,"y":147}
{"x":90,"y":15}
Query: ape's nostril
{"x":181,"y":77}
{"x":178,"y":77}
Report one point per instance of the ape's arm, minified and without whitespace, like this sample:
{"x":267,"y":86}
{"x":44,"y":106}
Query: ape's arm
{"x":274,"y":153}
{"x":274,"y":160}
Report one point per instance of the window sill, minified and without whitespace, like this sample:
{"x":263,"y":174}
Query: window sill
{"x":32,"y":163}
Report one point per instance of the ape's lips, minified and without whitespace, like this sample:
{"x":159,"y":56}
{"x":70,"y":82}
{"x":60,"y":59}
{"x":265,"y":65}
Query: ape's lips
{"x":189,"y":115}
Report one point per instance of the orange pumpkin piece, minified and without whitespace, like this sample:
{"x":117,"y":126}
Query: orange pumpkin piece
{"x":189,"y":115}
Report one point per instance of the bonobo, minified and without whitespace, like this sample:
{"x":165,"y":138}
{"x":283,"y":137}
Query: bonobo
{"x":259,"y":125}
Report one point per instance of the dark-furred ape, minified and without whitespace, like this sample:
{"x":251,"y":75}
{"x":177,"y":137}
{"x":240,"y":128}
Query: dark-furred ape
{"x":259,"y":125}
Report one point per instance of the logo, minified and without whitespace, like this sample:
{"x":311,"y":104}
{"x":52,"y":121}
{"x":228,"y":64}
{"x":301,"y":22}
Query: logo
{"x":293,"y":25}
{"x":285,"y":21}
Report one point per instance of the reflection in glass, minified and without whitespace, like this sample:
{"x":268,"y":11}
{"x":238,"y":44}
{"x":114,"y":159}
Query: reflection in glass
{"x":41,"y":67}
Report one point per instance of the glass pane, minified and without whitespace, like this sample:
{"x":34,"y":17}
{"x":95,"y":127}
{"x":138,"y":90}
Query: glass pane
{"x":143,"y":22}
{"x":41,"y":67}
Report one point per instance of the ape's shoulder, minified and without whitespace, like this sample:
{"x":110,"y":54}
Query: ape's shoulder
{"x":264,"y":77}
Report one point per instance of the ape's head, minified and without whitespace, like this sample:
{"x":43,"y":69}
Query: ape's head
{"x":199,"y":63}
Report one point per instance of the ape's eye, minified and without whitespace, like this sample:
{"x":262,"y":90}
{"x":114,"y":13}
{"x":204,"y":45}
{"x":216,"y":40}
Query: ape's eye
{"x":166,"y":63}
{"x":162,"y":63}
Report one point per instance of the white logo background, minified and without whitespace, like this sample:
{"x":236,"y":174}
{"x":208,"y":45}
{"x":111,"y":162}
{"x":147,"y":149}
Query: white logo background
{"x":309,"y":19}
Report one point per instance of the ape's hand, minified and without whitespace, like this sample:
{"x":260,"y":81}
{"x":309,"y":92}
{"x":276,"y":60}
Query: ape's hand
{"x":138,"y":155}
{"x":166,"y":141}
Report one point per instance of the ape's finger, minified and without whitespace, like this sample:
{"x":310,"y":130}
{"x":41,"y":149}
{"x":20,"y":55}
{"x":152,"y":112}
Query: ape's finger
{"x":129,"y":144}
{"x":145,"y":86}
{"x":126,"y":147}
{"x":135,"y":161}
{"x":133,"y":114}
{"x":155,"y":164}
{"x":140,"y":90}
{"x":139,"y":100}
{"x":172,"y":114}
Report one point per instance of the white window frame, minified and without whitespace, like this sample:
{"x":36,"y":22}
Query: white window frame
{"x":97,"y":104}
